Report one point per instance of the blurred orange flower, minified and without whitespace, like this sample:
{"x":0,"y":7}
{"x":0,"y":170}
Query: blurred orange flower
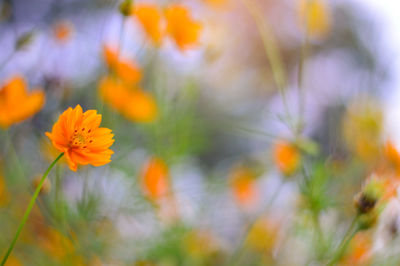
{"x":287,"y":157}
{"x":181,"y":27}
{"x":316,"y":17}
{"x":13,"y":261}
{"x":4,"y":196}
{"x":359,"y":252}
{"x":62,"y":31}
{"x":150,"y":18}
{"x":16,"y":103}
{"x":77,"y":134}
{"x":125,"y":69}
{"x":243,"y":186}
{"x":135,"y":104}
{"x":155,"y":178}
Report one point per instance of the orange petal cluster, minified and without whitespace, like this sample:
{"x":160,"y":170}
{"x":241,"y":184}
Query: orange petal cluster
{"x":16,"y":103}
{"x":123,"y":68}
{"x":135,"y":104}
{"x":155,"y":178}
{"x":77,"y":134}
{"x":150,"y":18}
{"x":243,"y":186}
{"x":177,"y":23}
{"x":287,"y":157}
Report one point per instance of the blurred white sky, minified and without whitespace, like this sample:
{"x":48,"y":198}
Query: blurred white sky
{"x":387,"y":13}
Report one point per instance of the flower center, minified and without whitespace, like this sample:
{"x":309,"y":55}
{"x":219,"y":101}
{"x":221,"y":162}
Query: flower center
{"x":81,"y":138}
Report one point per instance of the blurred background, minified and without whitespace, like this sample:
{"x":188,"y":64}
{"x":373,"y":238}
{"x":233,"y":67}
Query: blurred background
{"x":250,"y":127}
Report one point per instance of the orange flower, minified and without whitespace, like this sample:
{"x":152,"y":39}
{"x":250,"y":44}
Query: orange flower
{"x":181,"y":27}
{"x":16,"y":104}
{"x":126,"y":70}
{"x":287,"y":157}
{"x":243,"y":186}
{"x":135,"y":104}
{"x":77,"y":134}
{"x":155,"y":178}
{"x":13,"y":261}
{"x":62,"y":31}
{"x":359,"y":252}
{"x":149,"y":17}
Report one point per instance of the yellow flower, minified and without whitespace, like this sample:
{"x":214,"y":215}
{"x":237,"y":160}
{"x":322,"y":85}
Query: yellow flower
{"x":77,"y":134}
{"x":262,"y":235}
{"x":181,"y":27}
{"x":315,"y":16}
{"x":362,"y":129}
{"x":135,"y":104}
{"x":16,"y":103}
{"x":150,"y":18}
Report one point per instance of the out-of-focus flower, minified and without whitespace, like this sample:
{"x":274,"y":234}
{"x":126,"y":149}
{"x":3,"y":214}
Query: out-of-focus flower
{"x":181,"y":27}
{"x":123,"y":68}
{"x":200,"y":243}
{"x":16,"y":103}
{"x":62,"y":31}
{"x":316,"y":17}
{"x":370,"y":194}
{"x":56,"y":244}
{"x":367,"y":201}
{"x":392,"y":156}
{"x":263,"y":235}
{"x":135,"y":104}
{"x":150,"y":19}
{"x":13,"y":261}
{"x":359,"y":251}
{"x":155,"y":178}
{"x":243,"y":186}
{"x":362,"y":129}
{"x":4,"y":195}
{"x":77,"y":134}
{"x":45,"y":187}
{"x":287,"y":157}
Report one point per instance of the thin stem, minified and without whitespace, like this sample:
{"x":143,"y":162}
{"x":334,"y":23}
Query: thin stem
{"x":300,"y":77}
{"x":351,"y":232}
{"x":237,"y":254}
{"x":28,"y":210}
{"x":272,"y":52}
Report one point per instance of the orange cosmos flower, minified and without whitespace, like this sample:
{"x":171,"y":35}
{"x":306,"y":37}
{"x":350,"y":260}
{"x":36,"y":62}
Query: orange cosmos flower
{"x":126,"y":70}
{"x":155,"y":178}
{"x":243,"y":186}
{"x":77,"y":134}
{"x":149,"y":17}
{"x":135,"y":104}
{"x":62,"y":31}
{"x":359,"y":252}
{"x":16,"y":103}
{"x":181,"y":27}
{"x":287,"y":157}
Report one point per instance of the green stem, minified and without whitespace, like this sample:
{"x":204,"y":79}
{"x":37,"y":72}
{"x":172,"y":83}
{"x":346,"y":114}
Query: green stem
{"x":28,"y":210}
{"x":351,"y":232}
